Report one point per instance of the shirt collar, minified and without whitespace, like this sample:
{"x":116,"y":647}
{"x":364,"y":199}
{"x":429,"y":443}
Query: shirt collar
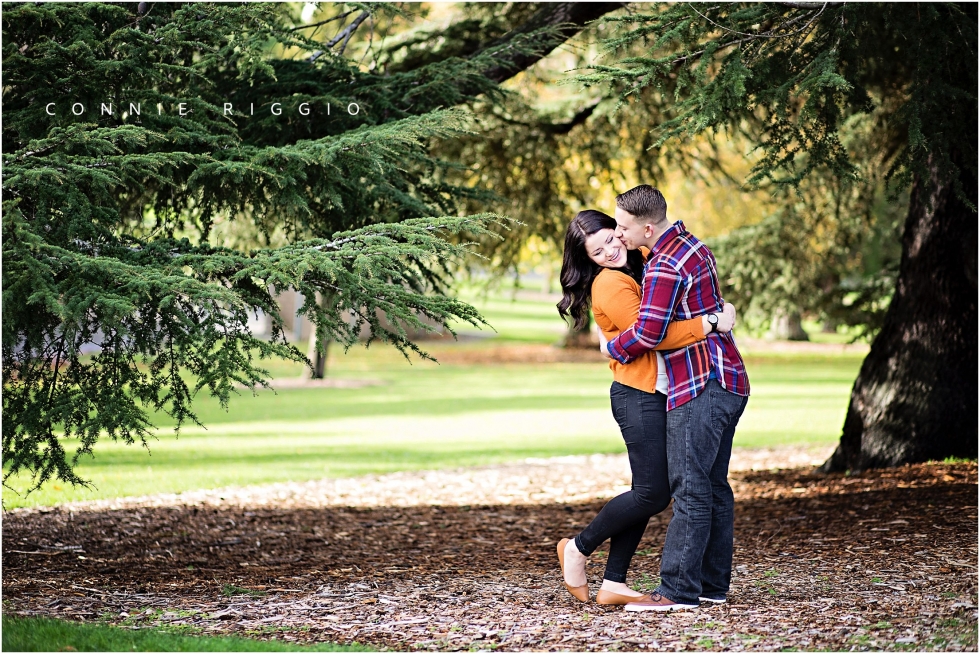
{"x":672,"y":232}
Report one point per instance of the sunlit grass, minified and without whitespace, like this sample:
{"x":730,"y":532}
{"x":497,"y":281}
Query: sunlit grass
{"x":45,"y":635}
{"x":515,"y":317}
{"x":842,"y":335}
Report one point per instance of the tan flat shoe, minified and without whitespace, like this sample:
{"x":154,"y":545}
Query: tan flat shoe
{"x":610,"y":598}
{"x":581,"y":593}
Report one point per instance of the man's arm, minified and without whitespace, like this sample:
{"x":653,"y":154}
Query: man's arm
{"x":726,"y":323}
{"x":661,"y":287}
{"x":616,"y":301}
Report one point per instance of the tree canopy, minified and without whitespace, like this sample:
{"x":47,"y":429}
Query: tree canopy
{"x":554,"y":147}
{"x":169,"y":168}
{"x":849,"y":97}
{"x":130,"y":131}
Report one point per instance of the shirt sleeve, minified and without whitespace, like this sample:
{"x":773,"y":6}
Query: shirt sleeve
{"x":661,"y":288}
{"x":619,"y":302}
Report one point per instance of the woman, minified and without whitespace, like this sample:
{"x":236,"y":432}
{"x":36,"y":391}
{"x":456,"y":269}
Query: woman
{"x":597,"y":269}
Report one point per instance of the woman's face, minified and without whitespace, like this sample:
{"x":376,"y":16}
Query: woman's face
{"x":605,"y":249}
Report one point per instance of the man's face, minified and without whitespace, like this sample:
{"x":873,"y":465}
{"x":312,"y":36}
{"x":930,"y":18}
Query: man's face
{"x":630,"y":231}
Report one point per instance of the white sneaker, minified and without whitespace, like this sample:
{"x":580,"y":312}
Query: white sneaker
{"x":658,"y":602}
{"x":713,"y":600}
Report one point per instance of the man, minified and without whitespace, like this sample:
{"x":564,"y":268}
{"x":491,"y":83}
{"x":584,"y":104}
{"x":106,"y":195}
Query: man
{"x":708,"y":391}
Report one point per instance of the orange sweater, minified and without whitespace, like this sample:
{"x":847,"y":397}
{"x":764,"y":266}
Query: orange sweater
{"x":616,"y":305}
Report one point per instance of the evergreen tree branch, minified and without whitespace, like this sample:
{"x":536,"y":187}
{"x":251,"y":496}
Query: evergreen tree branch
{"x":126,"y":290}
{"x":548,"y":28}
{"x":771,"y":34}
{"x":808,"y":5}
{"x":190,"y":312}
{"x":327,"y":21}
{"x":344,"y":35}
{"x":349,"y":31}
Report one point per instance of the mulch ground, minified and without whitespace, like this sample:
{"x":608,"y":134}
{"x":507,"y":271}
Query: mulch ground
{"x":882,"y":560}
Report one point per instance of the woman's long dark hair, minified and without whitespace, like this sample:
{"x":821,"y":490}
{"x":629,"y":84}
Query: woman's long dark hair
{"x":578,"y":271}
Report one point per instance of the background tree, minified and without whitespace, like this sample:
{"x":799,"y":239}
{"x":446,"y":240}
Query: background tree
{"x":789,"y":76}
{"x":520,"y":149}
{"x":108,"y":214}
{"x":526,"y":147}
{"x":549,"y":149}
{"x":828,"y":247}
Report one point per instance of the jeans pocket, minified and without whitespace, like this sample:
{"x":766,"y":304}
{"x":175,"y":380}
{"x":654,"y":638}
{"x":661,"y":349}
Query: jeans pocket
{"x":725,"y":405}
{"x":619,"y":399}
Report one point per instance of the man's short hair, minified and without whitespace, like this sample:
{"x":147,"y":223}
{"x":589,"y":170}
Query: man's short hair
{"x":644,"y":202}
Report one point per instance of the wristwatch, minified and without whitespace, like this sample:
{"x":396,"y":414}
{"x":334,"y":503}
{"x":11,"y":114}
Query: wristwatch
{"x":713,"y":321}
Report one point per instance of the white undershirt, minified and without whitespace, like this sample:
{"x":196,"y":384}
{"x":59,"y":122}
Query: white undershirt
{"x":661,"y":374}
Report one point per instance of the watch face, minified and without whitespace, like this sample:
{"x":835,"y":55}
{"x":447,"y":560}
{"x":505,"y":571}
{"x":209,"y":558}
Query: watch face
{"x":713,"y":319}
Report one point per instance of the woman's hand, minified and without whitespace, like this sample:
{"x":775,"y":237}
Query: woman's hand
{"x":602,"y":342}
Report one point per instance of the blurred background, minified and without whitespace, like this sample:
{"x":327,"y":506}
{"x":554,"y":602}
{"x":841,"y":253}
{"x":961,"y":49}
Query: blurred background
{"x":811,"y":264}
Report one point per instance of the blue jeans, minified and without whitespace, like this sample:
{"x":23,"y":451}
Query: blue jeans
{"x":697,"y":557}
{"x":642,"y":418}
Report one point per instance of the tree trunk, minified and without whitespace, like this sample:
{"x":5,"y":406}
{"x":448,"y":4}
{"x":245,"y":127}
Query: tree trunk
{"x":315,"y":354}
{"x":318,"y":358}
{"x":829,"y":326}
{"x":915,"y":398}
{"x":788,"y":326}
{"x":583,"y":338}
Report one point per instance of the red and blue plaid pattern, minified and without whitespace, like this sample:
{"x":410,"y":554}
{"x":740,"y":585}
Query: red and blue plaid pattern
{"x":681,"y":282}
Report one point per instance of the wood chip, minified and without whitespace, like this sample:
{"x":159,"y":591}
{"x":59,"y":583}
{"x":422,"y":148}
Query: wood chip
{"x":418,"y":571}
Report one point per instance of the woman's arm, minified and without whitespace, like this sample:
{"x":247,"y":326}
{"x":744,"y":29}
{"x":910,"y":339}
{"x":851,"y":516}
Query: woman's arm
{"x":618,"y":297}
{"x":726,"y":323}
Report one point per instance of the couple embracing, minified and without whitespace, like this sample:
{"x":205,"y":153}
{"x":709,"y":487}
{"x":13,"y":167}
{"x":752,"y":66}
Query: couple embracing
{"x":679,"y":390}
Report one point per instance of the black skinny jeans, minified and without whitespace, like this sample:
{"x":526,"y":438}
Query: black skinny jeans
{"x":642,"y":418}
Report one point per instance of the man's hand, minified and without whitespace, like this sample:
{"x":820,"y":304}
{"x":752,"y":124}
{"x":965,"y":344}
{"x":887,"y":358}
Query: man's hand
{"x":602,"y":342}
{"x":726,"y":319}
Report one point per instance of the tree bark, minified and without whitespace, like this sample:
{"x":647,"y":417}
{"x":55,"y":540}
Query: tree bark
{"x":581,"y":338}
{"x":788,"y":326}
{"x":317,"y":356}
{"x":568,"y":17}
{"x":915,"y":398}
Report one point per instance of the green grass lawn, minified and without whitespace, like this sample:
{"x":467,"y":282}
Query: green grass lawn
{"x":422,"y":415}
{"x":526,"y":318}
{"x":42,"y":634}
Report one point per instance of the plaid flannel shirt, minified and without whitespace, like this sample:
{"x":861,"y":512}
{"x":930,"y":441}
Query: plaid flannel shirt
{"x":680,"y":281}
